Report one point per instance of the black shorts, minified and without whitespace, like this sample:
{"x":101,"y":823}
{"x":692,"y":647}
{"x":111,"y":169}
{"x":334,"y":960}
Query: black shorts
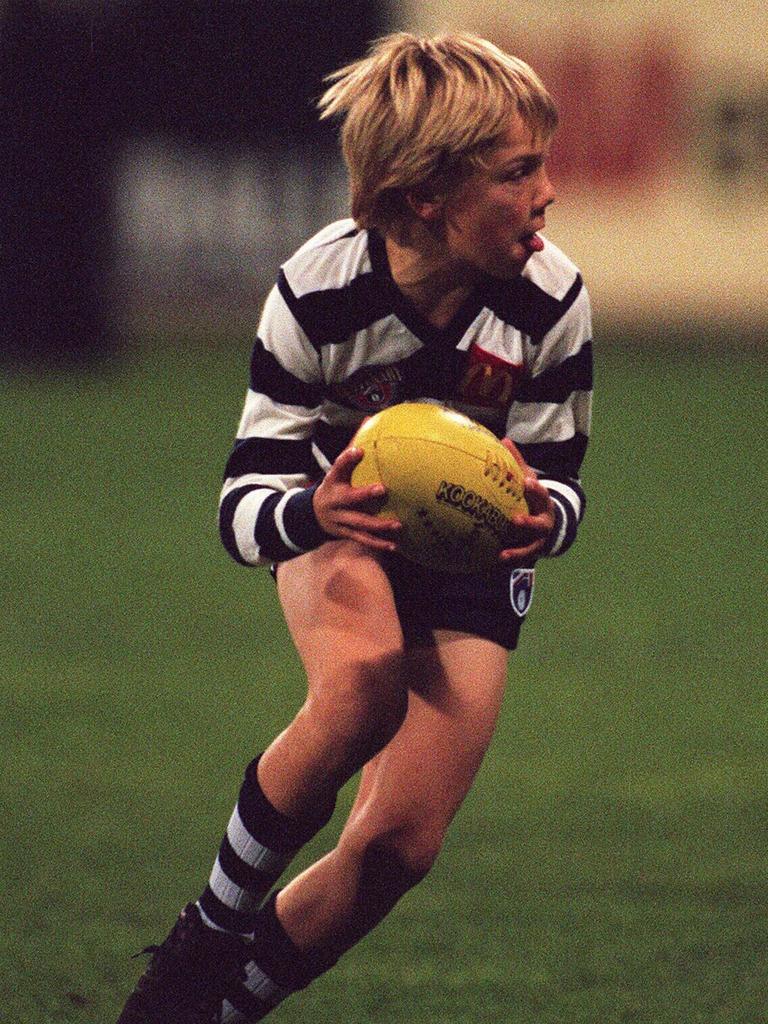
{"x":492,"y":605}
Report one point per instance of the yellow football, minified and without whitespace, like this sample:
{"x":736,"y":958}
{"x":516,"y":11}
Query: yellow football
{"x":449,"y":480}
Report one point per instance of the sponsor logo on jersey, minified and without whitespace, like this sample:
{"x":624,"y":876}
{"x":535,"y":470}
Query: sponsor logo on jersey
{"x":371,"y":388}
{"x":488,"y":380}
{"x":474,"y":505}
{"x":521,"y":590}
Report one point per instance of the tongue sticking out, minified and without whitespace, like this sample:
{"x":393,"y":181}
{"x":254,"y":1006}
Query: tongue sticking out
{"x":533,"y":243}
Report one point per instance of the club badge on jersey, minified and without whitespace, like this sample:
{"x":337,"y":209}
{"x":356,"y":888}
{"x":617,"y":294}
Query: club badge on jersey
{"x":521,"y":590}
{"x":371,"y":388}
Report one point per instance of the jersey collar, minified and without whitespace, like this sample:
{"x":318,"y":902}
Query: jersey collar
{"x":448,"y":336}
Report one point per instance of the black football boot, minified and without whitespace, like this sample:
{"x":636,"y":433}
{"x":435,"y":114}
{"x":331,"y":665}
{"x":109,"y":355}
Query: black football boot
{"x":186,"y":977}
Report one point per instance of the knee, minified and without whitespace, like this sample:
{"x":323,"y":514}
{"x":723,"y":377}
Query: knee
{"x":392,"y":862}
{"x":362,"y":702}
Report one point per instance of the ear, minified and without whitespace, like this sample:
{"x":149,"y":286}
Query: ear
{"x":427,"y":206}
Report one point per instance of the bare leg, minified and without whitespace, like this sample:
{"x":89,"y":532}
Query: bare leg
{"x":339,"y":608}
{"x":408,"y":796}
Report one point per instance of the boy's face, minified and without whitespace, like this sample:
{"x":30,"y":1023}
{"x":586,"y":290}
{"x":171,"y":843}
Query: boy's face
{"x":489,"y":221}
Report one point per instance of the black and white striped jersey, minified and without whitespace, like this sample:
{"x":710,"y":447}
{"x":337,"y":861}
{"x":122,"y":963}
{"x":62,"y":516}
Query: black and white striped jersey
{"x":338,"y":341}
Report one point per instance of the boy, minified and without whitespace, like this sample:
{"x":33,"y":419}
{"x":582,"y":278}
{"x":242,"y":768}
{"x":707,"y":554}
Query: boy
{"x":439,"y":287}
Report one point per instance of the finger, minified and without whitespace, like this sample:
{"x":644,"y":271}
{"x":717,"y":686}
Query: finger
{"x":532,"y":483}
{"x":533,"y":486}
{"x":340,"y":475}
{"x":370,"y":524}
{"x":513,"y":451}
{"x":361,"y":495}
{"x":522,"y":554}
{"x":541,"y":523}
{"x":538,"y":500}
{"x":341,"y":470}
{"x":369,"y":540}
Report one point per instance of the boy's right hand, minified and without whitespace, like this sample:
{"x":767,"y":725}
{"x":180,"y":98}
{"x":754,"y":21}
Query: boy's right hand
{"x":345,"y":511}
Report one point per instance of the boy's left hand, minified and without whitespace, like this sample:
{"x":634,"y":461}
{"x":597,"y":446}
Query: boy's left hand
{"x":539,"y":522}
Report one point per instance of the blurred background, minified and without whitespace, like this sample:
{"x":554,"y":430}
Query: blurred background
{"x":159,"y":160}
{"x":162,"y":159}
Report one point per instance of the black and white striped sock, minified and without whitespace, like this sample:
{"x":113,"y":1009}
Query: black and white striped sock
{"x":276,"y":969}
{"x":258,"y":845}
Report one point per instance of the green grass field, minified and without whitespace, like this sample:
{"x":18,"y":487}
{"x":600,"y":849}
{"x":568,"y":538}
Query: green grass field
{"x":611,"y":864}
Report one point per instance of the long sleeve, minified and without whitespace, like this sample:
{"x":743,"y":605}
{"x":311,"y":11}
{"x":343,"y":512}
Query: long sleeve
{"x":550,"y":418}
{"x":265,"y":508}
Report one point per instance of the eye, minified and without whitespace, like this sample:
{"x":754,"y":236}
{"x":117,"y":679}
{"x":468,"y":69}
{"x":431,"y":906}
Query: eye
{"x":519,"y":172}
{"x":517,"y":175}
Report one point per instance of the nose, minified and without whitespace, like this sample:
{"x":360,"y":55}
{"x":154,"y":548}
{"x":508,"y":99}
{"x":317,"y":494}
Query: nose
{"x":546,"y":193}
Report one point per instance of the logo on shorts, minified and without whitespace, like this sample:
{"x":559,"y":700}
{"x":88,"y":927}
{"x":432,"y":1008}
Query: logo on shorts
{"x":521,"y":590}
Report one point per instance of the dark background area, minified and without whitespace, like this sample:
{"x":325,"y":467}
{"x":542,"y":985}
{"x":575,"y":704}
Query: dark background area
{"x":77,"y":80}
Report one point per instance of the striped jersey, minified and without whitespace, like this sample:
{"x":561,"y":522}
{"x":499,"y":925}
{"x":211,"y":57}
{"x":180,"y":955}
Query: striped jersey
{"x":338,"y":341}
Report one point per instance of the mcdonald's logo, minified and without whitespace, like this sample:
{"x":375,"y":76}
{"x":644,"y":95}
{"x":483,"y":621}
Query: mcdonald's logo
{"x":489,"y":380}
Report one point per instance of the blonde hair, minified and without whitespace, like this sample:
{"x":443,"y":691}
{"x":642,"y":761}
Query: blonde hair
{"x":420,"y":112}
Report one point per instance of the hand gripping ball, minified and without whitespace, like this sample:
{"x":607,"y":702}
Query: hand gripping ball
{"x":449,"y":480}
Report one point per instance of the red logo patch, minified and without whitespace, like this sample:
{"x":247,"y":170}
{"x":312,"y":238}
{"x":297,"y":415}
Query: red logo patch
{"x":489,"y":380}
